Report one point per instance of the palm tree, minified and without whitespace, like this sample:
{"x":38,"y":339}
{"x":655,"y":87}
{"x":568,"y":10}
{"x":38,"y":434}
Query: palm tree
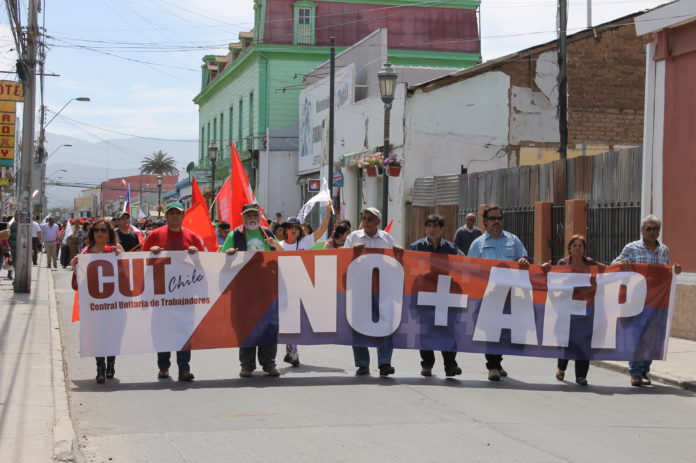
{"x":159,"y":163}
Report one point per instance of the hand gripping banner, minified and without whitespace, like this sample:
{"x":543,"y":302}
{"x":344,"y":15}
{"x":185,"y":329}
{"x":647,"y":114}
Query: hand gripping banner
{"x":139,"y":302}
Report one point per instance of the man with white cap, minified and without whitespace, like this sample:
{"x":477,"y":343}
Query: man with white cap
{"x":370,"y":236}
{"x":173,"y":237}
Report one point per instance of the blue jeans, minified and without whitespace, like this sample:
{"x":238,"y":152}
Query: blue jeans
{"x":362,"y":356}
{"x":183,"y":357}
{"x":639,"y":367}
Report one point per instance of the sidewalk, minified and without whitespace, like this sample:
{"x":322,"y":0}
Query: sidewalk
{"x":35,"y":423}
{"x":678,"y":370}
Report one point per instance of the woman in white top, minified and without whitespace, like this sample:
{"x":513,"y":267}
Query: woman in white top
{"x":295,"y":240}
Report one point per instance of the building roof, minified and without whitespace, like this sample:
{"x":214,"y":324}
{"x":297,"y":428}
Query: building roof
{"x":665,"y":16}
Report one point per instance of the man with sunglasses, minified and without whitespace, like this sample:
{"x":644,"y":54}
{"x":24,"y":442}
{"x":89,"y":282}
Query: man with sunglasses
{"x":497,"y":244}
{"x":370,"y":236}
{"x":647,"y":250}
{"x":173,"y":237}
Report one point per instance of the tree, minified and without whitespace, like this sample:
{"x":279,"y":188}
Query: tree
{"x":159,"y":163}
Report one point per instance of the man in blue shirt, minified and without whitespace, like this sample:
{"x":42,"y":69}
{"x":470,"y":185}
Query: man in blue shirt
{"x":433,"y":242}
{"x":497,"y":244}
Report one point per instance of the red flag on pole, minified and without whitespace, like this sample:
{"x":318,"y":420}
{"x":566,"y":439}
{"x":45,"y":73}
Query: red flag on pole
{"x":224,"y":202}
{"x":197,"y":219}
{"x":389,"y":226}
{"x":241,"y":192}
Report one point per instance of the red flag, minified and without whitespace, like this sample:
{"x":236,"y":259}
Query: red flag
{"x":389,"y":225}
{"x":224,"y":202}
{"x":241,"y":192}
{"x":197,"y":219}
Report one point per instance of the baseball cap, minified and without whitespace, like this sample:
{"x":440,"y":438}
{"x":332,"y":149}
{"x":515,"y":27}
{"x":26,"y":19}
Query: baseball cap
{"x":374,"y":211}
{"x":121,"y":214}
{"x":250,"y":207}
{"x":174,"y":205}
{"x":291,"y":221}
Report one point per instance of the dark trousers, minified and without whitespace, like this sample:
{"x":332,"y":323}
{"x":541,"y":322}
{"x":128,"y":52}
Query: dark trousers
{"x":64,"y":255}
{"x":494,"y":362}
{"x":35,"y":248}
{"x":428,"y":359}
{"x":581,"y":367}
{"x":267,"y":355}
{"x":183,"y":357}
{"x":101,"y":361}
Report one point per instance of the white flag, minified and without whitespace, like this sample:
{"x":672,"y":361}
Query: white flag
{"x":141,"y":214}
{"x":323,"y":196}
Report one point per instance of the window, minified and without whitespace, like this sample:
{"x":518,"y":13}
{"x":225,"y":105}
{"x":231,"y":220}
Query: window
{"x":304,"y":23}
{"x":231,"y":122}
{"x":207,"y":144}
{"x":239,"y":125}
{"x":202,"y":143}
{"x":221,"y":147}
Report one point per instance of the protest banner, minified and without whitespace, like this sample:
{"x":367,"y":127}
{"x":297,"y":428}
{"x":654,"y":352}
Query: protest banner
{"x":140,"y":302}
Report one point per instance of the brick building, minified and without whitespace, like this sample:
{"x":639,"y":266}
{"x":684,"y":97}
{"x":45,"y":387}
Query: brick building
{"x":606,"y":72}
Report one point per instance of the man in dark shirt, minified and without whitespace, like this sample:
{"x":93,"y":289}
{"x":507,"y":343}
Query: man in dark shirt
{"x":130,"y":239}
{"x":467,"y":234}
{"x":433,"y":242}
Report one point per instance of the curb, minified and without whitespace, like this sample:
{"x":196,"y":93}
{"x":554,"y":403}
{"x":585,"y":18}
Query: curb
{"x":664,"y":379}
{"x":65,"y":444}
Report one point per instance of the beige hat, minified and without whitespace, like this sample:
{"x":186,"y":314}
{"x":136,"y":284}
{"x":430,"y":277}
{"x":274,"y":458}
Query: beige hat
{"x":374,"y":211}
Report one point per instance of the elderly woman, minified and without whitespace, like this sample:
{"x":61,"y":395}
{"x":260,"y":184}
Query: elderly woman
{"x":100,"y":238}
{"x":577,"y":256}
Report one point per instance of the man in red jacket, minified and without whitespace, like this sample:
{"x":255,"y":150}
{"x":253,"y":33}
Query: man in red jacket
{"x":173,"y":237}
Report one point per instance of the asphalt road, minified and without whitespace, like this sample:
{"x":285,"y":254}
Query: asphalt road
{"x":320,"y":411}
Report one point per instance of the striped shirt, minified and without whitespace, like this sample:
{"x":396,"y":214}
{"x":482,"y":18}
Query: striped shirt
{"x":637,"y":253}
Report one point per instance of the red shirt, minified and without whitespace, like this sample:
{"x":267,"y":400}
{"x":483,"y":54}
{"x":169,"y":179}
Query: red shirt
{"x":171,"y":240}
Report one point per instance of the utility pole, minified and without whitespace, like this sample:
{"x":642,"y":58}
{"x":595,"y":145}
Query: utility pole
{"x":27,"y":71}
{"x":41,"y":150}
{"x":563,"y":78}
{"x":589,"y":14}
{"x":332,"y":102}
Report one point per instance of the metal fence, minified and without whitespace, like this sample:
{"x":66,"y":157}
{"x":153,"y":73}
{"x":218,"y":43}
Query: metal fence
{"x":610,"y":227}
{"x":520,"y":221}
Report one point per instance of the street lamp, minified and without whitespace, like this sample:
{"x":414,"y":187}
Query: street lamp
{"x":212,"y":154}
{"x":387,"y":85}
{"x":55,"y":150}
{"x":159,"y":196}
{"x":55,"y":172}
{"x":79,"y":98}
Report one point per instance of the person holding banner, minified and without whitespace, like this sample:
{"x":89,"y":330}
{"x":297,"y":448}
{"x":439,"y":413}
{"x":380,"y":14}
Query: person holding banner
{"x":297,"y":240}
{"x":647,"y":250}
{"x":577,"y":256}
{"x":100,"y":238}
{"x":497,"y":244}
{"x":433,"y":242}
{"x":173,"y":237}
{"x":369,"y":236}
{"x":251,"y":236}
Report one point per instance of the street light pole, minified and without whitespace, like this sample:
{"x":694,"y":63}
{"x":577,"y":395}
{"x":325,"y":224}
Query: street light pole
{"x":159,"y":196}
{"x":387,"y":85}
{"x":212,"y":154}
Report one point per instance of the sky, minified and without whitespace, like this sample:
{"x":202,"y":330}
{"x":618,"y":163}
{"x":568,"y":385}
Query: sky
{"x":139,"y":61}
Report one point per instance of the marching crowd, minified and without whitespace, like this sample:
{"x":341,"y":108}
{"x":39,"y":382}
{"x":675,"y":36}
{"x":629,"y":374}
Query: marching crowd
{"x":117,"y":234}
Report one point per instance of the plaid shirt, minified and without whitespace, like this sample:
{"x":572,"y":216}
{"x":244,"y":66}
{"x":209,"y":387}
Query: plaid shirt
{"x":637,"y":253}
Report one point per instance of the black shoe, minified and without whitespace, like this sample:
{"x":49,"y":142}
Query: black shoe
{"x":426,"y":371}
{"x":185,"y":375}
{"x":163,"y":373}
{"x":110,"y":369}
{"x":494,"y":375}
{"x":362,"y":371}
{"x":453,"y":371}
{"x":503,"y":373}
{"x":386,"y":370}
{"x":292,"y":358}
{"x":646,"y":379}
{"x":101,"y":375}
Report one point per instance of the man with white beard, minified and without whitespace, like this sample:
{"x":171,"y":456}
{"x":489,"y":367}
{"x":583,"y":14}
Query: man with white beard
{"x":251,"y":236}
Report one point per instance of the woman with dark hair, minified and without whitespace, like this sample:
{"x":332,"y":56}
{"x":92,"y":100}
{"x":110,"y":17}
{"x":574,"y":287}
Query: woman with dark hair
{"x":307,"y":229}
{"x":339,"y":236}
{"x":577,"y":256}
{"x":100,"y":238}
{"x":296,"y":240}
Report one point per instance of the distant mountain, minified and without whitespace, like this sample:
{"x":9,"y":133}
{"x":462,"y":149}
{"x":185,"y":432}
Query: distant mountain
{"x":89,"y":163}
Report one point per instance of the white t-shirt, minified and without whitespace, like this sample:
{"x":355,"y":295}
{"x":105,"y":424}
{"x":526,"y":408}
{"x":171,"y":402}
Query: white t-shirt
{"x":35,"y":230}
{"x":307,"y":242}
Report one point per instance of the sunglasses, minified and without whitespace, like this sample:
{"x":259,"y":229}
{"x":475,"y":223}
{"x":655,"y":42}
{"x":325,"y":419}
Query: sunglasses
{"x":494,"y":218}
{"x":651,"y":229}
{"x":365,"y":218}
{"x":104,"y":230}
